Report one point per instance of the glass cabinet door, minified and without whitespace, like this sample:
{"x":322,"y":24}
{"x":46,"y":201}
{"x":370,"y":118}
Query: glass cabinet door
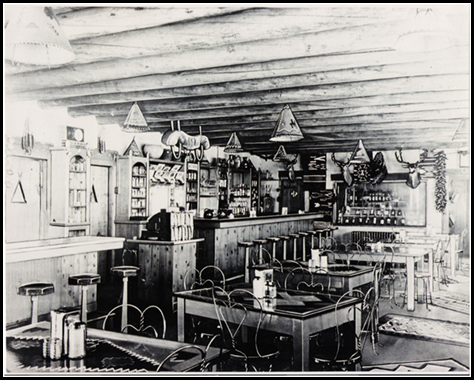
{"x":138,"y":204}
{"x":77,"y":190}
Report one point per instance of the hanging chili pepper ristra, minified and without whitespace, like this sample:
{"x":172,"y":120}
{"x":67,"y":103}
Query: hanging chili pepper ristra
{"x":440,"y":175}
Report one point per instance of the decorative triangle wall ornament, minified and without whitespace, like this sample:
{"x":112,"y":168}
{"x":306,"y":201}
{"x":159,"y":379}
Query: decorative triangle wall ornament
{"x":135,"y":121}
{"x":233,"y":145}
{"x":360,"y":155}
{"x":286,"y":128}
{"x":134,"y":149}
{"x":18,"y":194}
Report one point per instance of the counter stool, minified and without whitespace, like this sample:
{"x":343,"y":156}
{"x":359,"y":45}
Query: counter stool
{"x":274,"y":240}
{"x":313,"y":234}
{"x":284,"y":238}
{"x":34,"y":290}
{"x":295,"y":243}
{"x":246,"y":245}
{"x":84,"y":280}
{"x":425,"y":277}
{"x":303,"y":235}
{"x":259,"y":243}
{"x":124,"y":271}
{"x":320,"y":238}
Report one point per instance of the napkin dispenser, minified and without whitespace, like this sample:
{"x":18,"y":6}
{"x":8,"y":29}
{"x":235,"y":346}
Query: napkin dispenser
{"x":68,"y":335}
{"x":314,"y":263}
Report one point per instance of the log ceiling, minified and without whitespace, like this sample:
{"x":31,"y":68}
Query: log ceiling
{"x":232,"y":69}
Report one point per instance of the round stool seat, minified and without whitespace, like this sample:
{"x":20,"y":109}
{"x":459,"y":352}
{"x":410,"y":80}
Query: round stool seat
{"x":284,"y":237}
{"x":84,"y":279}
{"x":125,"y":271}
{"x":303,"y":233}
{"x":312,"y":232}
{"x":274,"y":238}
{"x":295,"y":235}
{"x":245,"y":243}
{"x":35,"y":289}
{"x":260,"y":241}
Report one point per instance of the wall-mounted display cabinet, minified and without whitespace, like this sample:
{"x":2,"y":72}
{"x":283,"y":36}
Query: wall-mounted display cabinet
{"x":70,"y":191}
{"x":387,"y":204}
{"x":192,"y":186}
{"x":132,"y":187}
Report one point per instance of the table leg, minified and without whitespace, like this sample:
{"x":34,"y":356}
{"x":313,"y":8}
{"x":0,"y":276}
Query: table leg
{"x":430,"y":271}
{"x":300,"y":346}
{"x":411,"y":284}
{"x":357,"y":330}
{"x":180,"y":319}
{"x":452,"y":249}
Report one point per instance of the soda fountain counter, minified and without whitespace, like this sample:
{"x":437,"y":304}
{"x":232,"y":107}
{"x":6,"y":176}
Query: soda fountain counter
{"x":221,"y":236}
{"x":52,"y":261}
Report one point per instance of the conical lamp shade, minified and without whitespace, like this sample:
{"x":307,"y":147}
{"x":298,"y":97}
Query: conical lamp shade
{"x":135,"y":120}
{"x":360,"y":155}
{"x":281,"y":156}
{"x":33,"y":36}
{"x":287,"y":128}
{"x":233,"y":145}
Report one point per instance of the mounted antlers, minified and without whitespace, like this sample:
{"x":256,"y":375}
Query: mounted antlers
{"x":345,"y":170}
{"x":414,"y":172}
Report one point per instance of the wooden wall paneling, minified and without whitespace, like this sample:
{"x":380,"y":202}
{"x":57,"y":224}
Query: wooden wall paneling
{"x":166,"y":279}
{"x":144,"y":260}
{"x":233,"y":250}
{"x":154,"y":274}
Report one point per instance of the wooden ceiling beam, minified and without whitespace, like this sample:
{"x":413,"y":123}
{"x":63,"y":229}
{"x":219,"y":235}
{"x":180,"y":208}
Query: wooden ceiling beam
{"x":353,"y":106}
{"x":298,"y":94}
{"x":369,"y":73}
{"x":379,"y":36}
{"x":232,"y":73}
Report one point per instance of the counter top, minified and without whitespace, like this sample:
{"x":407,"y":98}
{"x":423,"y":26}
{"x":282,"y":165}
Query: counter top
{"x":162,"y":242}
{"x":248,"y":221}
{"x":41,"y":249}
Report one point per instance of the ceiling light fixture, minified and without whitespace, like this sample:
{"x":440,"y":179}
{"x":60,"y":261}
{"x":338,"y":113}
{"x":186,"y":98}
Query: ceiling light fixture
{"x":233,"y":145}
{"x":33,"y":36}
{"x":135,"y":121}
{"x":287,"y":128}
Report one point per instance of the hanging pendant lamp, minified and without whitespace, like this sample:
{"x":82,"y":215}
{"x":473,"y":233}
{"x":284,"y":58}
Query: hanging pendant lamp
{"x":233,"y":145}
{"x":287,"y":128}
{"x":282,"y":156}
{"x":135,"y":121}
{"x":33,"y":36}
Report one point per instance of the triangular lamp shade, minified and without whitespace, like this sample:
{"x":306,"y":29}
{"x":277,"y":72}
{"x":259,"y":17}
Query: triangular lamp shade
{"x":360,"y":155}
{"x":281,"y":156}
{"x":135,"y":120}
{"x":233,"y":145}
{"x":287,"y":128}
{"x":33,"y":36}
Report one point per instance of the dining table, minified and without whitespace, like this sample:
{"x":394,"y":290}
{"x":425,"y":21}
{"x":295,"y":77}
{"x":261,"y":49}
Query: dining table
{"x":399,"y":254}
{"x":299,"y":314}
{"x":106,"y":352}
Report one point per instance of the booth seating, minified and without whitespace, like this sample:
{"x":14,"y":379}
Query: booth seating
{"x":84,"y":280}
{"x":34,"y":290}
{"x":125,"y":272}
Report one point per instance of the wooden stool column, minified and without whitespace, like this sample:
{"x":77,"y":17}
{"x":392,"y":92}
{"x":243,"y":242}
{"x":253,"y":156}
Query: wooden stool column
{"x":313,"y":234}
{"x":295,"y":243}
{"x":84,"y":280}
{"x":260,"y":243}
{"x":125,"y":272}
{"x":34,"y":290}
{"x":303,"y":235}
{"x":284,"y":238}
{"x":246,"y":245}
{"x":274,"y":240}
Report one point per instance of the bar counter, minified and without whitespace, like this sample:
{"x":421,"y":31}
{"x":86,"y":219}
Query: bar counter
{"x":221,"y":236}
{"x":52,"y":261}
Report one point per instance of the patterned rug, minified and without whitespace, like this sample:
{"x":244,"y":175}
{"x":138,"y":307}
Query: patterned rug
{"x":452,"y":301}
{"x":426,"y":329}
{"x":439,"y":366}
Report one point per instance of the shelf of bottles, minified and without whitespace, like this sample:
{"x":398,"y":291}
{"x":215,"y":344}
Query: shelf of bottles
{"x":138,"y":204}
{"x":208,"y":183}
{"x":255,"y":195}
{"x":77,"y":190}
{"x":222,"y":181}
{"x":192,"y":176}
{"x":375,"y":208}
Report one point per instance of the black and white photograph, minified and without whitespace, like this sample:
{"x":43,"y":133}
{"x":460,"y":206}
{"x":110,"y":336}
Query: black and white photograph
{"x":236,"y":189}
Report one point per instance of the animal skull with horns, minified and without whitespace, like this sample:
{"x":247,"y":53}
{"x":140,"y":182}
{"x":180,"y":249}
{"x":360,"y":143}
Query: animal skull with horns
{"x":414,"y":171}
